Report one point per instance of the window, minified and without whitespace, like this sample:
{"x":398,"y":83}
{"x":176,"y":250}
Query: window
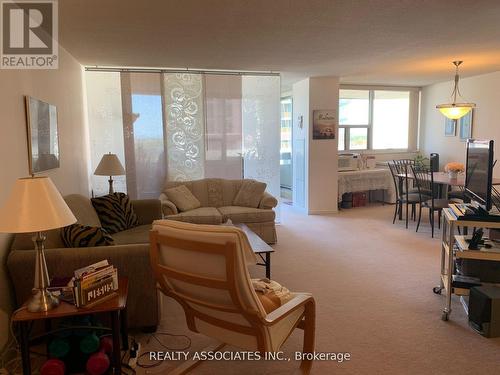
{"x":377,"y":119}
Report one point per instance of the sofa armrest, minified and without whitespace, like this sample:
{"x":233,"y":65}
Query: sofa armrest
{"x":167,"y":207}
{"x":147,"y":210}
{"x":131,"y":261}
{"x":268,"y":201}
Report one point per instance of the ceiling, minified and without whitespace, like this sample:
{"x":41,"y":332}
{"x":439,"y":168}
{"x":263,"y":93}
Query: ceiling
{"x":397,"y":42}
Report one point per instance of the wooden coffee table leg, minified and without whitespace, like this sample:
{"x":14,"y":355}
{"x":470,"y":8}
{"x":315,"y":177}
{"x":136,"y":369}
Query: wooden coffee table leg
{"x":117,"y":361}
{"x":268,"y":265}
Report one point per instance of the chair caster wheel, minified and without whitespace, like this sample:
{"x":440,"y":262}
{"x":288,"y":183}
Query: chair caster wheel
{"x":444,"y":316}
{"x":437,"y":289}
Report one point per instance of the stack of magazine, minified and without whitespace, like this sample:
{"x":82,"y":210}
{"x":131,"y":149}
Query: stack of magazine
{"x":94,"y":283}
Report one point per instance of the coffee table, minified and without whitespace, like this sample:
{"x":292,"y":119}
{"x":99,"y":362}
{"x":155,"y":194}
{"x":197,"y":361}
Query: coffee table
{"x":259,"y":247}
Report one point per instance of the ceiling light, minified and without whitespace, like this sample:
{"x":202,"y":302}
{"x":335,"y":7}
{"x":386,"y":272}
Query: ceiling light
{"x":455,"y":110}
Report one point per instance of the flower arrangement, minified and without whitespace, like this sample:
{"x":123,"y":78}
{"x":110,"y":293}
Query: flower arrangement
{"x":454,"y":167}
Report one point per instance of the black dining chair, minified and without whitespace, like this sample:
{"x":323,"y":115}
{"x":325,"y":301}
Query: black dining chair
{"x":428,"y":194}
{"x":403,"y":196}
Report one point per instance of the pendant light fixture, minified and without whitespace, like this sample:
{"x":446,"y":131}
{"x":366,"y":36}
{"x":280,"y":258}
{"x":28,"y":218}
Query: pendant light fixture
{"x":455,"y":110}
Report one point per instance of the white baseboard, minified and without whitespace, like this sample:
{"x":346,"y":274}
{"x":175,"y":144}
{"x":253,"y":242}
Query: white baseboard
{"x":322,"y":212}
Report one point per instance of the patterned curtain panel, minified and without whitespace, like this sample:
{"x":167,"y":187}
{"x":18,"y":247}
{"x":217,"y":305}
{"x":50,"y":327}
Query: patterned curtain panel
{"x":261,"y":131}
{"x":185,"y":126}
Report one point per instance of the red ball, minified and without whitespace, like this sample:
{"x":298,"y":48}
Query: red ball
{"x":97,"y":364}
{"x":53,"y":367}
{"x":106,"y":344}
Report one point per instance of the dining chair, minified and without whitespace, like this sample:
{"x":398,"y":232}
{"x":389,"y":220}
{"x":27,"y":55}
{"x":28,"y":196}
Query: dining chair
{"x":406,"y":187}
{"x":204,"y":268}
{"x":428,"y":195}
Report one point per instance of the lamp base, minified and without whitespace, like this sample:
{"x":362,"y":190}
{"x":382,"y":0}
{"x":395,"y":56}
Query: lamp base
{"x":42,"y":301}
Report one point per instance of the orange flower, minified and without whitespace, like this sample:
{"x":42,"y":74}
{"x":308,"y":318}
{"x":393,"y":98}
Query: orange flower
{"x":454,"y":167}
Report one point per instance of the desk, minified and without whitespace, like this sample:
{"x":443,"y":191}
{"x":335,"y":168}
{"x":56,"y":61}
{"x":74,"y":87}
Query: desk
{"x":115,"y":306}
{"x":442,"y":178}
{"x":367,"y":179}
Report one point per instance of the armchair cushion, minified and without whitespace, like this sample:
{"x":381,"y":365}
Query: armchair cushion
{"x":250,"y":194}
{"x":182,"y":197}
{"x":115,"y":212}
{"x":77,"y":235}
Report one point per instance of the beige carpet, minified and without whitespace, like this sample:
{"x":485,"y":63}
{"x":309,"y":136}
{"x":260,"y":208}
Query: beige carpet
{"x":372,"y":281}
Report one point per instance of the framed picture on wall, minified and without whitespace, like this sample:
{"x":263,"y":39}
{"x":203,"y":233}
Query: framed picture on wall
{"x":324,"y":123}
{"x":465,"y":126}
{"x":43,"y":138}
{"x":450,"y":127}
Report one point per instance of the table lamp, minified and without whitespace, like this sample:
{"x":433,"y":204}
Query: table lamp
{"x":34,"y":206}
{"x":110,"y":166}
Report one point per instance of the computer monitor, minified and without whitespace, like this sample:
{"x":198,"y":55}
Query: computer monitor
{"x":479,"y":171}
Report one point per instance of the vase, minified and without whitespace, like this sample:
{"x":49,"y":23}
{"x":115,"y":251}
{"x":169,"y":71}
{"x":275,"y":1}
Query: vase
{"x":453,"y":175}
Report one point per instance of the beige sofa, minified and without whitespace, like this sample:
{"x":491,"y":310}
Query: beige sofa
{"x":216,"y":196}
{"x":130,"y":255}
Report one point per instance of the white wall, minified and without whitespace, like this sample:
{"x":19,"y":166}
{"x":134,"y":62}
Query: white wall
{"x":484,"y":90}
{"x":323,"y":153}
{"x":62,"y":87}
{"x":315,"y":180}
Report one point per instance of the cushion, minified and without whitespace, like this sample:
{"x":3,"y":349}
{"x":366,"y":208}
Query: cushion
{"x":77,"y":235}
{"x":239,"y":214}
{"x":83,"y":210}
{"x":202,"y":215}
{"x":115,"y":212}
{"x":182,"y":197}
{"x":271,"y":294}
{"x":135,"y":235}
{"x":250,"y":194}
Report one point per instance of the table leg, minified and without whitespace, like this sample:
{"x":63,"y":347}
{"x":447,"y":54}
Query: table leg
{"x":268,"y":265}
{"x":115,"y":324}
{"x":24,"y":346}
{"x":124,"y":328}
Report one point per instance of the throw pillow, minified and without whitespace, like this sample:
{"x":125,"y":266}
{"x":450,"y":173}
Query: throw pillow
{"x":271,"y":294}
{"x":182,"y":197}
{"x":77,"y":235}
{"x":250,"y":194}
{"x":115,"y":212}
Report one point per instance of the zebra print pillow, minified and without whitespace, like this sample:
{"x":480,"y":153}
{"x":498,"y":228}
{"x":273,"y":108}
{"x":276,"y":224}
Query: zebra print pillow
{"x":115,"y":212}
{"x":77,"y":235}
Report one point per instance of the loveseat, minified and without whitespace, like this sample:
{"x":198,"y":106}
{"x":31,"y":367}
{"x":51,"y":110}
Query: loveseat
{"x":129,"y":254}
{"x":216,"y":197}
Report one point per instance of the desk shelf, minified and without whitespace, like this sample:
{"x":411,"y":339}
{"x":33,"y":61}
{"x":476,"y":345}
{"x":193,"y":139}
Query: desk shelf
{"x":458,"y":243}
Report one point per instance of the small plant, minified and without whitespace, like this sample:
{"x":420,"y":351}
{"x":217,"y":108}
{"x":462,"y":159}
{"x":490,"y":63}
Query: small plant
{"x":421,"y":161}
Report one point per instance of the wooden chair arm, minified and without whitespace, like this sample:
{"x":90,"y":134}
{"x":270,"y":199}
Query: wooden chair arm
{"x":283,"y":311}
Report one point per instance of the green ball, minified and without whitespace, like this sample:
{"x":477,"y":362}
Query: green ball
{"x":59,"y":348}
{"x":89,"y":344}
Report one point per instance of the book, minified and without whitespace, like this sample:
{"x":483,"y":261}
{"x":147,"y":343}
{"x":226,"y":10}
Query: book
{"x":94,"y":283}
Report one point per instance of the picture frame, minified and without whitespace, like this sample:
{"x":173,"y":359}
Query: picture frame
{"x":450,"y":127}
{"x":465,"y":126}
{"x":43,"y":135}
{"x":324,"y":124}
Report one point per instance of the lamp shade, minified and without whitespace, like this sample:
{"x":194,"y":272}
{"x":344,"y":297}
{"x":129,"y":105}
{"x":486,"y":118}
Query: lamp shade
{"x":34,"y":205}
{"x":455,"y":111}
{"x":109,"y":166}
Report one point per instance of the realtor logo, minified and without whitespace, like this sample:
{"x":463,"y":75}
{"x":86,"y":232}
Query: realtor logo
{"x":29,"y":34}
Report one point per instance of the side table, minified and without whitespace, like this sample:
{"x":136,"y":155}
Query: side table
{"x":115,"y":306}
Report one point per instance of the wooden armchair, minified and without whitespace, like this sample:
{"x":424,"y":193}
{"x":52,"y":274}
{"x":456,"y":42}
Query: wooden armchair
{"x":204,"y":268}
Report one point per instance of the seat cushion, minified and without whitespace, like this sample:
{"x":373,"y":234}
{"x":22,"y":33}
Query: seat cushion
{"x":182,"y":197}
{"x":83,"y":210}
{"x":139,"y":234}
{"x":202,"y":215}
{"x":239,"y":214}
{"x":115,"y":212}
